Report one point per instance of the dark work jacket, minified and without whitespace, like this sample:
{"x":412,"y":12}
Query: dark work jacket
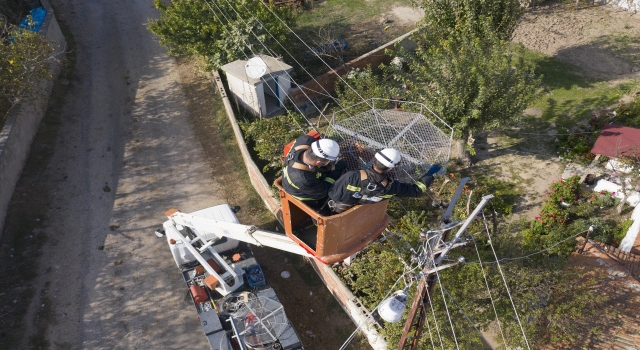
{"x":369,"y":186}
{"x":302,"y":182}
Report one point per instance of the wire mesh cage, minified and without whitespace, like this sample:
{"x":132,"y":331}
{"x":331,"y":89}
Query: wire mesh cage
{"x":260,"y":322}
{"x":415,"y":131}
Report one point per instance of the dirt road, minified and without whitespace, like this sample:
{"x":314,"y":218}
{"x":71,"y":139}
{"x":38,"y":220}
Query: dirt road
{"x":80,"y":267}
{"x":125,"y":153}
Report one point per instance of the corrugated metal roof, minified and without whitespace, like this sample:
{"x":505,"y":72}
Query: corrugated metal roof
{"x":617,"y":140}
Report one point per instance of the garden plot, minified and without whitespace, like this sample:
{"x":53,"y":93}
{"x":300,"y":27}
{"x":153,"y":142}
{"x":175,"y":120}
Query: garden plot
{"x":530,"y":166}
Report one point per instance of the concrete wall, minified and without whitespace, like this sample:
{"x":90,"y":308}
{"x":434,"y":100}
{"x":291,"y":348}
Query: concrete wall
{"x":255,"y":175}
{"x":244,"y":93}
{"x":23,"y":122}
{"x":314,"y":89}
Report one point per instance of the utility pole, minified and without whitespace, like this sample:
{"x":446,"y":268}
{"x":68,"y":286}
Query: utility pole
{"x":414,"y":325}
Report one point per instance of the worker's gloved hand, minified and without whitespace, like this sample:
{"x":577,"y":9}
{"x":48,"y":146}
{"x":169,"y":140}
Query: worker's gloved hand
{"x":337,"y":169}
{"x":427,"y":179}
{"x":434,"y":169}
{"x":340,"y":166}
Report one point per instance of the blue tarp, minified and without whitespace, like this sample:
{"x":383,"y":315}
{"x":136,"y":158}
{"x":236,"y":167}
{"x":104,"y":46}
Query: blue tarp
{"x":37,"y":17}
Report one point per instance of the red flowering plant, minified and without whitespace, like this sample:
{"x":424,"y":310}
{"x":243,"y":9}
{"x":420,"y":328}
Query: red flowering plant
{"x":560,"y":195}
{"x":603,"y":199}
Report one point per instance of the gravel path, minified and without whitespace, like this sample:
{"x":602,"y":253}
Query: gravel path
{"x":125,"y":154}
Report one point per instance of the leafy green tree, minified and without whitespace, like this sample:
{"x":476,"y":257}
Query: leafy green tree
{"x":474,"y":84}
{"x":221,"y":31}
{"x":24,"y":62}
{"x":445,"y":19}
{"x":270,"y":135}
{"x":465,"y":69}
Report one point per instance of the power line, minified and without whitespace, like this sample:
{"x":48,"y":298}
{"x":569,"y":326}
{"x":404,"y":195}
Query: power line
{"x":405,"y":273}
{"x":486,"y":282}
{"x":562,"y":134}
{"x":296,"y":61}
{"x":248,"y":46}
{"x":223,"y":26}
{"x":446,"y":307}
{"x":433,"y":312}
{"x":315,"y":53}
{"x":339,"y":77}
{"x":505,"y":282}
{"x":532,"y":254}
{"x":462,"y":311}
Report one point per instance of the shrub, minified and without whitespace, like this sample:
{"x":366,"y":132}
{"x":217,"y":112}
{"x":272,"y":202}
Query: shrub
{"x":24,"y":59}
{"x":629,"y":114}
{"x":604,"y":230}
{"x":583,"y":210}
{"x":576,"y":146}
{"x":621,"y":230}
{"x":553,"y":210}
{"x":14,"y":10}
{"x":270,"y":135}
{"x":603,"y":199}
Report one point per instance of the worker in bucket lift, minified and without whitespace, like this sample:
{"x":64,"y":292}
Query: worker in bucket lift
{"x":374,"y":184}
{"x":310,"y":169}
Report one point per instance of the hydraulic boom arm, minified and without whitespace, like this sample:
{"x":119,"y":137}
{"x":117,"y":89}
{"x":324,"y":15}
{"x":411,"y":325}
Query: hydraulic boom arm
{"x":209,"y":229}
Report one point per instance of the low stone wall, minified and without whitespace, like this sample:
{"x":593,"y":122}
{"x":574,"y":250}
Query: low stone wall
{"x":315,"y":89}
{"x":20,"y":128}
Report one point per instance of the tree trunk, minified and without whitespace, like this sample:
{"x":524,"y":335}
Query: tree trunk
{"x":462,"y":153}
{"x":621,"y":205}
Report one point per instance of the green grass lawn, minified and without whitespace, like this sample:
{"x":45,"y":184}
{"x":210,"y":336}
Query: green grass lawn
{"x":567,"y":97}
{"x":346,"y":11}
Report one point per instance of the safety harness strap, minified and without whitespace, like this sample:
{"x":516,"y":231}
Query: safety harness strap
{"x":303,"y":167}
{"x":297,"y":148}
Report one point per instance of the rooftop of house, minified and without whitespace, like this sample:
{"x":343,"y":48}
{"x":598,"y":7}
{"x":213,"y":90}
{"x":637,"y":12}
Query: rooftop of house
{"x":617,"y":140}
{"x":622,"y":311}
{"x":274,"y":67}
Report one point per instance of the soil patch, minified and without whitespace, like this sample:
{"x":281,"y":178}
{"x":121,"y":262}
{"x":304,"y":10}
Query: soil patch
{"x":528,"y":163}
{"x":602,"y":41}
{"x":407,"y":15}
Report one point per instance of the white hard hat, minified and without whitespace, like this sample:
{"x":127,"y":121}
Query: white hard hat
{"x":325,"y":148}
{"x":389,"y":157}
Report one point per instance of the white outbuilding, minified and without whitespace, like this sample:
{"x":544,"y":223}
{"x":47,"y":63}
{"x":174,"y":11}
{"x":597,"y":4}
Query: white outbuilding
{"x":260,"y":85}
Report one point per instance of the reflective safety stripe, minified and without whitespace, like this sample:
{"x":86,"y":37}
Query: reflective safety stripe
{"x":385,"y":196}
{"x":353,"y":188}
{"x":329,"y":180}
{"x":301,"y":198}
{"x":422,"y":186}
{"x":286,"y":175}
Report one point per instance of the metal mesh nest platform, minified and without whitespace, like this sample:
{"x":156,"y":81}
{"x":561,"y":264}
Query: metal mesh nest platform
{"x":260,"y":321}
{"x":412,"y":132}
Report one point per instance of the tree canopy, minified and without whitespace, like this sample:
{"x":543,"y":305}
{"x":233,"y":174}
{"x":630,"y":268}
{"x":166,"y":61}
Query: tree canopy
{"x":474,"y":84}
{"x":465,"y":68}
{"x":444,"y":19}
{"x":221,"y":31}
